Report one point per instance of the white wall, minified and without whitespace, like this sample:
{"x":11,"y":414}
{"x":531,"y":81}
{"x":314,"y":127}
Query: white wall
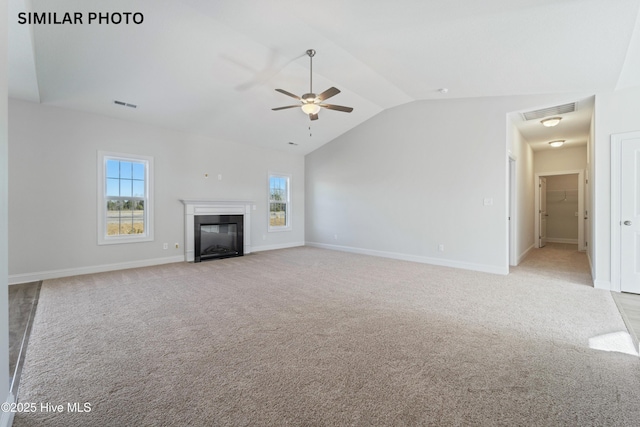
{"x":561,"y":159}
{"x":4,"y":294}
{"x":52,"y":192}
{"x":615,"y":112}
{"x":524,"y":217}
{"x":413,"y":177}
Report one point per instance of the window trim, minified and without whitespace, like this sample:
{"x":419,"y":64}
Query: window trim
{"x":147,"y":236}
{"x":288,"y":226}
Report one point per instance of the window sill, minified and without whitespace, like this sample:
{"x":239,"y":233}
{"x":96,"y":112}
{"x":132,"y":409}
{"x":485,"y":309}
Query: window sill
{"x":123,"y":240}
{"x":279,"y":229}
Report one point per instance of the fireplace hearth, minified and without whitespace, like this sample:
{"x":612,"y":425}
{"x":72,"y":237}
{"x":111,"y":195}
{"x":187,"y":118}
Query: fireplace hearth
{"x":217,"y":236}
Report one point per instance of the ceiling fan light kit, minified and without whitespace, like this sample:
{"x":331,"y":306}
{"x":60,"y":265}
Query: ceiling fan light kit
{"x":310,"y":103}
{"x":310,"y":108}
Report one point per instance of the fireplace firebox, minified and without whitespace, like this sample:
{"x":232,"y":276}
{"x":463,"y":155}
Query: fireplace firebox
{"x":217,"y":236}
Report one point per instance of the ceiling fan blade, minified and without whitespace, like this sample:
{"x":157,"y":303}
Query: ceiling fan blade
{"x":284,"y":108}
{"x":313,"y":116}
{"x":288,"y":94}
{"x":337,"y":108}
{"x":332,"y":91}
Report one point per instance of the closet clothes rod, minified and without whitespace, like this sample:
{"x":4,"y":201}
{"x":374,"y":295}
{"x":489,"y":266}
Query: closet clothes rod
{"x":564,"y":193}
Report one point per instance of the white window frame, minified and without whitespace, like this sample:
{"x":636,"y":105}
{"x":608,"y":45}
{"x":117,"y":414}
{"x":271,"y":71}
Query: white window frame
{"x":147,"y":236}
{"x":288,"y":225}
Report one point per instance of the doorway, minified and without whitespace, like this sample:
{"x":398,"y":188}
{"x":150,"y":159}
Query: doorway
{"x":559,"y":207}
{"x":625,"y":218}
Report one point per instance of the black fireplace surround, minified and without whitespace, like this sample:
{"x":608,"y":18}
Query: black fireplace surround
{"x":217,"y":236}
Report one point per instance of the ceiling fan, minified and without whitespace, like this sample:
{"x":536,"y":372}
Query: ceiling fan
{"x":311,"y":103}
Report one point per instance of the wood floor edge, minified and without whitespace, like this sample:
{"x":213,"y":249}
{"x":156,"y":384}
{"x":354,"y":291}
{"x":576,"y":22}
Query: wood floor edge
{"x":627,"y":321}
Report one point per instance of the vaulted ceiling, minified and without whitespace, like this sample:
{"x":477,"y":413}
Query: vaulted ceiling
{"x":211,"y":67}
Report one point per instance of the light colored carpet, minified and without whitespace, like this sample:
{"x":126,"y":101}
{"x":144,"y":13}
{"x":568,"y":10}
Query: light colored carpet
{"x":308,"y":336}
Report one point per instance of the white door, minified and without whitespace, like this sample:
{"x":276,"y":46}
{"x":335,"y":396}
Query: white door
{"x":543,"y":212}
{"x":630,"y":217}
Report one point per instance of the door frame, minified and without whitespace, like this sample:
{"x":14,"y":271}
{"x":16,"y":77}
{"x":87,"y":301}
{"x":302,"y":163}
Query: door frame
{"x":513,"y":214}
{"x":580,"y":173}
{"x":542,"y":240}
{"x":616,"y":200}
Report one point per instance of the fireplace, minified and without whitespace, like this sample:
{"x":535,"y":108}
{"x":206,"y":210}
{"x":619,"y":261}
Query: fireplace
{"x":195,"y":208}
{"x":217,"y":236}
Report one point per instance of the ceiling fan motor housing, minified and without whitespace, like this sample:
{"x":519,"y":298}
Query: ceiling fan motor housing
{"x":309,"y":97}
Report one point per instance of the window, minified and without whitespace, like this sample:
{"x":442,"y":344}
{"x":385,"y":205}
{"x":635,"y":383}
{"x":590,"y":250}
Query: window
{"x":279,"y":202}
{"x":124,"y":198}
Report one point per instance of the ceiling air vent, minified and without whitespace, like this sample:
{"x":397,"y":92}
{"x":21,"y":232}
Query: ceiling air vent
{"x":124,"y":104}
{"x":551,"y":111}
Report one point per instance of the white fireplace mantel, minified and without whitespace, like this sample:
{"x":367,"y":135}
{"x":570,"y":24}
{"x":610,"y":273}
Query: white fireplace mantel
{"x":193,"y":207}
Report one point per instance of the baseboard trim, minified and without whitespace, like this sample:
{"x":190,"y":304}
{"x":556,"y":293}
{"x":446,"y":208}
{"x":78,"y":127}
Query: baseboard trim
{"x":593,"y":272}
{"x":15,"y":279}
{"x":415,"y":258}
{"x":524,"y":254}
{"x":274,"y":247}
{"x":602,"y":284}
{"x":561,"y":240}
{"x":6,"y":418}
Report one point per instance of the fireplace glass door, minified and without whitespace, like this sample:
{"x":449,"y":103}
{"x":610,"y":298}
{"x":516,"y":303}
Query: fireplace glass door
{"x":218,"y":240}
{"x":218,"y":236}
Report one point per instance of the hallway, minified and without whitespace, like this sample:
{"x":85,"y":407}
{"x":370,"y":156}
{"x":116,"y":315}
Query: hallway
{"x":561,"y":261}
{"x":558,"y":261}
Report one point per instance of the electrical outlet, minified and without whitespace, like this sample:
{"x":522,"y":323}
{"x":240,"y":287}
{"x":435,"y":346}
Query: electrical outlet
{"x":177,"y":245}
{"x":441,"y":247}
{"x":165,"y":246}
{"x":335,"y":237}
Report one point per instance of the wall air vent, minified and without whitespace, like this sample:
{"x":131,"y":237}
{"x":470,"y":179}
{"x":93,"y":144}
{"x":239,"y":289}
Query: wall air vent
{"x":125,"y":104}
{"x":551,"y":111}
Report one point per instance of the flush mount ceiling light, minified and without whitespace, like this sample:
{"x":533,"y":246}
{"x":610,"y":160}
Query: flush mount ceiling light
{"x":551,"y":122}
{"x":556,"y":144}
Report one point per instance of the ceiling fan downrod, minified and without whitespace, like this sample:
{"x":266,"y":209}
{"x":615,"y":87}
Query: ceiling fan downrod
{"x":311,"y":53}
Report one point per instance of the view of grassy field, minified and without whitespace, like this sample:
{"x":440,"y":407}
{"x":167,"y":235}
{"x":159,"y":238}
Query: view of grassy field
{"x":125,"y":222}
{"x":125,"y":228}
{"x":278,"y":219}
